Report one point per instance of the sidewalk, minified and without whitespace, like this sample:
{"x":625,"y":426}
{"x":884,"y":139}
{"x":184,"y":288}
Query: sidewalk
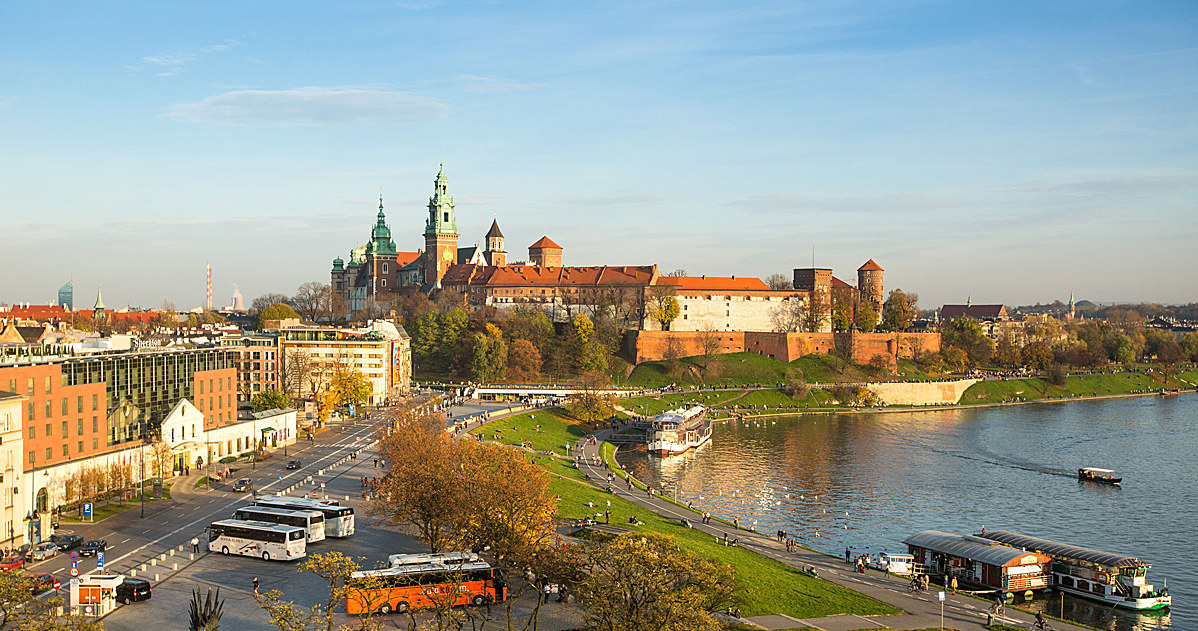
{"x":923,"y":609}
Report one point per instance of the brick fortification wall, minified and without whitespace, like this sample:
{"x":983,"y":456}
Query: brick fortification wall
{"x":863,"y":347}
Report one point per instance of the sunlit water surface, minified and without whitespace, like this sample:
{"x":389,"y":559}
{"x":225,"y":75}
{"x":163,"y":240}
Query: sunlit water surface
{"x":869,"y":480}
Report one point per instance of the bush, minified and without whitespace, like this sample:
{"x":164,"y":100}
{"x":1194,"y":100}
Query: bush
{"x":797,"y":388}
{"x":846,"y":394}
{"x":228,"y":459}
{"x":1057,"y":376}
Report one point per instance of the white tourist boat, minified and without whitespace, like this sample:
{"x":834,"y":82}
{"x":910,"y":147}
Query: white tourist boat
{"x":1117,"y":579}
{"x":902,"y":564}
{"x":676,"y":431}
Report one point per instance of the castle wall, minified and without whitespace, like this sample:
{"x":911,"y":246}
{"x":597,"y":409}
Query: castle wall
{"x":720,"y":311}
{"x":651,"y":345}
{"x":921,"y":393}
{"x":861,"y":348}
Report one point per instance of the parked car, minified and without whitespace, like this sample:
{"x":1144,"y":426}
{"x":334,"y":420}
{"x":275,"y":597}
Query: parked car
{"x":294,"y":464}
{"x":11,"y":562}
{"x":92,"y":547}
{"x":243,"y":485}
{"x":43,"y":551}
{"x":24,"y":550}
{"x":132,"y":590}
{"x":44,"y":583}
{"x":66,"y":543}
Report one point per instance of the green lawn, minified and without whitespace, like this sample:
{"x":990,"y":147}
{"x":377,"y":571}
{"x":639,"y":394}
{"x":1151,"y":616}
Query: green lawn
{"x":1076,"y":385}
{"x":749,"y":369}
{"x":766,"y":586}
{"x":545,"y":430}
{"x":661,"y":403}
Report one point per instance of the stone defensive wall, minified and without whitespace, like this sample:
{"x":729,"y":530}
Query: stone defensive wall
{"x":921,"y":392}
{"x":861,"y":348}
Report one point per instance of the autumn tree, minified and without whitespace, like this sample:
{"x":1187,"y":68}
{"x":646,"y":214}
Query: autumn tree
{"x":709,"y":347}
{"x":422,"y":489}
{"x":815,"y":312}
{"x":297,"y":367}
{"x":586,"y":347}
{"x":22,"y":610}
{"x":842,"y":311}
{"x":313,"y":301}
{"x":265,"y":300}
{"x":1037,"y":355}
{"x":490,"y":355}
{"x":644,"y":582}
{"x":779,"y":282}
{"x":334,"y":569}
{"x":590,"y":403}
{"x":788,"y":316}
{"x":160,"y":450}
{"x":866,"y":318}
{"x":899,"y":310}
{"x":277,"y":311}
{"x":168,"y":316}
{"x":269,"y":399}
{"x":1167,"y":357}
{"x":523,"y":361}
{"x":663,"y":306}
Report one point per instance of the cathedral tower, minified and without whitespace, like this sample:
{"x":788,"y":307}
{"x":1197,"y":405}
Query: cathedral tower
{"x":440,"y":232}
{"x":495,"y":255}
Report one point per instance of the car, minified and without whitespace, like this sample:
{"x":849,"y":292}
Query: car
{"x":23,"y":551}
{"x":243,"y":485}
{"x":44,"y":583}
{"x":66,"y":543}
{"x":294,"y":464}
{"x":132,"y":590}
{"x":92,"y":547}
{"x":11,"y":562}
{"x":43,"y":551}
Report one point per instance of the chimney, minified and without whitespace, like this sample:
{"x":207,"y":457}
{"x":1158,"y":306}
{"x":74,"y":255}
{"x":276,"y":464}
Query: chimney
{"x":733,"y":277}
{"x":704,"y":277}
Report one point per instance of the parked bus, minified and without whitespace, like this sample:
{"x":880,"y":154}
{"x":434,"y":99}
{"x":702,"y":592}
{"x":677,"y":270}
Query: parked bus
{"x":257,"y":539}
{"x":312,"y":521}
{"x":338,"y":520}
{"x":424,"y":585}
{"x":444,"y":558}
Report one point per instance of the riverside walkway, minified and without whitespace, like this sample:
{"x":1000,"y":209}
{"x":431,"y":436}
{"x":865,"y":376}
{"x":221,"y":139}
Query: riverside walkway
{"x":923,"y":609}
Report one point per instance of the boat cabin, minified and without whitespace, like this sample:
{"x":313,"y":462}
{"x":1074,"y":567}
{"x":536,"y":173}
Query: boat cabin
{"x":1098,"y":474}
{"x":979,"y":562}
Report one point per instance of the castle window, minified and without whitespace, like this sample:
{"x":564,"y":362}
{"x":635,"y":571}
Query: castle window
{"x":384,"y":268}
{"x":446,"y":218}
{"x":384,"y":282}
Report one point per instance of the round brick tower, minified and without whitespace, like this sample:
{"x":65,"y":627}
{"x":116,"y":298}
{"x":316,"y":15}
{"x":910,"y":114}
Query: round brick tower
{"x":869,"y":285}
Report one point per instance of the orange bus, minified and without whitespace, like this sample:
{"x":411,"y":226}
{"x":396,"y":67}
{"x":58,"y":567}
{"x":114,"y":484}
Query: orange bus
{"x":424,"y":585}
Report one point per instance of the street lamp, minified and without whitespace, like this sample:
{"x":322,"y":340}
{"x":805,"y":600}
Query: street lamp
{"x":142,"y":484}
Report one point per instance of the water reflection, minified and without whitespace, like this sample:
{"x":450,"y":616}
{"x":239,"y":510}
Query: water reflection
{"x":866,"y":481}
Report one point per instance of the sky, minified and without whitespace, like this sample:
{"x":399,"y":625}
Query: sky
{"x":1006,"y":152}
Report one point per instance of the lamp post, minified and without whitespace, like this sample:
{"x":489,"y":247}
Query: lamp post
{"x":142,"y":485}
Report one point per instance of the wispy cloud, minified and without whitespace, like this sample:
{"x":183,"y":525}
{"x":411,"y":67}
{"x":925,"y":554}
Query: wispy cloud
{"x":310,"y":106}
{"x":171,"y":64}
{"x":477,"y":83}
{"x":409,"y":5}
{"x":617,"y":199}
{"x":782,"y":203}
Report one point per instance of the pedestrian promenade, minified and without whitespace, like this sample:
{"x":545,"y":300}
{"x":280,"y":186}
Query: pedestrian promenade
{"x":923,"y":609}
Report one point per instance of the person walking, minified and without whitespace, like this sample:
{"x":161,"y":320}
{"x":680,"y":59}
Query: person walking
{"x":195,"y":545}
{"x":847,"y":554}
{"x":255,"y":585}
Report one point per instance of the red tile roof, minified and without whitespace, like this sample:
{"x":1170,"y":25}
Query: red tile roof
{"x":980,"y":312}
{"x":840,"y":284}
{"x":40,"y":313}
{"x":870,"y":266}
{"x":545,"y":242}
{"x":403,"y":258}
{"x":536,"y":276}
{"x":714,"y":283}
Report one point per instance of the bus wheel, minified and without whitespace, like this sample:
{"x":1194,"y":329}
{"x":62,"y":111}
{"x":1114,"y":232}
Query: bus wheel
{"x":384,"y":609}
{"x":265,"y":556}
{"x":478,"y":600}
{"x":225,"y":550}
{"x":401,"y":607}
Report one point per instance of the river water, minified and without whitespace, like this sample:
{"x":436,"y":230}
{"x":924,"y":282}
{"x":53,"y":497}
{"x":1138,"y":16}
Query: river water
{"x":867,"y":481}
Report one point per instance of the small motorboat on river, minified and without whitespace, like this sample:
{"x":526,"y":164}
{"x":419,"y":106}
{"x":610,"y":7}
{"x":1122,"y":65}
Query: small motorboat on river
{"x":1095,"y":474}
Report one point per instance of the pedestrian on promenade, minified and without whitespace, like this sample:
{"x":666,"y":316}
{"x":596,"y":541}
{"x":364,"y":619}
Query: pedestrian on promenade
{"x":195,"y":545}
{"x":847,"y":554}
{"x":255,"y":585}
{"x":954,"y":584}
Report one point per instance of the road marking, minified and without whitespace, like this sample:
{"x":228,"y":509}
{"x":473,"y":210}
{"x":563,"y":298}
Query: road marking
{"x":126,"y":540}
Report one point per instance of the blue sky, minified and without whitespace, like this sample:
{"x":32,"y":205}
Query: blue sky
{"x":1009,"y":151}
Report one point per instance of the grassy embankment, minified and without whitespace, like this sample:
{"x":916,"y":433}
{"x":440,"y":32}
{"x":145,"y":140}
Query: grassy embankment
{"x":765,"y":586}
{"x":1098,"y":385}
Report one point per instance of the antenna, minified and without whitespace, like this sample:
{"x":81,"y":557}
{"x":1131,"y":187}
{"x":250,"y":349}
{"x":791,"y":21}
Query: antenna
{"x":208,"y":293}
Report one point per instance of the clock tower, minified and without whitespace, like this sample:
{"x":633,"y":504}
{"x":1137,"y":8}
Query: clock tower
{"x":440,"y":232}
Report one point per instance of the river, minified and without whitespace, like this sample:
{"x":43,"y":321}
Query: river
{"x":867,"y":481}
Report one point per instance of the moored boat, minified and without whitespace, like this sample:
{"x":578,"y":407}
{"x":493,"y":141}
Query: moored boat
{"x":902,"y":564}
{"x":678,"y":430}
{"x":1096,"y":474}
{"x":1117,"y":579}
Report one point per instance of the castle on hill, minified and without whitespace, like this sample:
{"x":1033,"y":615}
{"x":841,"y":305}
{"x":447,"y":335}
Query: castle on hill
{"x":485,"y":277}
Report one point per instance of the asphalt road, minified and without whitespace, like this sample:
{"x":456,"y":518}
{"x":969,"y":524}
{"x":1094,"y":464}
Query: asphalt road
{"x":134,"y":541}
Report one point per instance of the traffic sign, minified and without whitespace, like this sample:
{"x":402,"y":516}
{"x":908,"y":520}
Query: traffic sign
{"x":74,"y":571}
{"x":74,"y":555}
{"x":87,"y":510}
{"x":941,"y":596}
{"x":99,"y":560}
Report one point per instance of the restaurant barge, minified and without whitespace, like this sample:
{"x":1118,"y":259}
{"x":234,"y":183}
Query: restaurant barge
{"x":979,"y":562}
{"x":1116,"y":579}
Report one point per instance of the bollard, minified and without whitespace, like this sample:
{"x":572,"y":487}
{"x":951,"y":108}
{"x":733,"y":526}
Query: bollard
{"x":162,"y":557}
{"x":143,"y":567}
{"x":155,"y":578}
{"x":191,"y":557}
{"x":180,"y":548}
{"x":173,"y":552}
{"x":154,"y":562}
{"x":175,"y":567}
{"x":133,"y":573}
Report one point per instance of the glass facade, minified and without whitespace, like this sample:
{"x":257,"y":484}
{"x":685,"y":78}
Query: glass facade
{"x":142,"y":388}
